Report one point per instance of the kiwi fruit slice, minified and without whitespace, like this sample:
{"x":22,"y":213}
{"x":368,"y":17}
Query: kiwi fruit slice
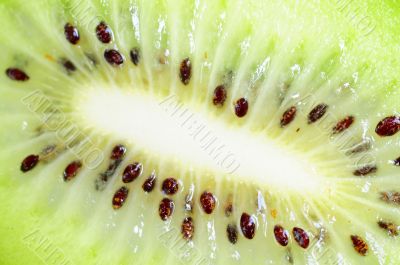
{"x":199,"y":132}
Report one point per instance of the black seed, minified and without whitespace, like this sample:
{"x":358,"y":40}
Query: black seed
{"x":113,"y":57}
{"x":228,"y":78}
{"x":396,"y":162}
{"x":149,"y":183}
{"x":49,"y":150}
{"x":100,"y":184}
{"x":317,"y":113}
{"x":391,"y":197}
{"x":111,"y":168}
{"x":187,"y":228}
{"x":364,"y":171}
{"x":359,"y":245}
{"x":228,"y":210}
{"x":170,"y":186}
{"x":185,"y":71}
{"x":248,"y":225}
{"x":391,"y":228}
{"x":207,"y":202}
{"x":104,"y":176}
{"x":219,"y":95}
{"x":166,"y":208}
{"x":241,"y":107}
{"x":364,"y":146}
{"x":232,"y":233}
{"x":17,"y":74}
{"x":301,"y":237}
{"x":68,"y":65}
{"x":72,"y":170}
{"x":29,"y":163}
{"x":135,"y":56}
{"x":288,"y":116}
{"x":343,"y":125}
{"x":388,"y":126}
{"x":118,"y":152}
{"x":120,"y":197}
{"x":131,"y":172}
{"x":281,"y":235}
{"x":104,"y":33}
{"x":71,"y":33}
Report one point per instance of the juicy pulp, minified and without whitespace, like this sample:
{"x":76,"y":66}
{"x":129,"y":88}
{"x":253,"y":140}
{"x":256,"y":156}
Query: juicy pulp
{"x":277,"y":55}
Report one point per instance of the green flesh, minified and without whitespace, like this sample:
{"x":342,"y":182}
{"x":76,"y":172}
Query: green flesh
{"x":340,"y":53}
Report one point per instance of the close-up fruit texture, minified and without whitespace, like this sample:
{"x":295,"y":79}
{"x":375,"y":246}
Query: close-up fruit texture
{"x":204,"y":132}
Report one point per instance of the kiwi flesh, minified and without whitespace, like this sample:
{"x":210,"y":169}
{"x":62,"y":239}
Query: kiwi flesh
{"x":199,"y":132}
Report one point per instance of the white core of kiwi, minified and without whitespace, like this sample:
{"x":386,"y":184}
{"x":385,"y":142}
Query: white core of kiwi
{"x":167,"y":128}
